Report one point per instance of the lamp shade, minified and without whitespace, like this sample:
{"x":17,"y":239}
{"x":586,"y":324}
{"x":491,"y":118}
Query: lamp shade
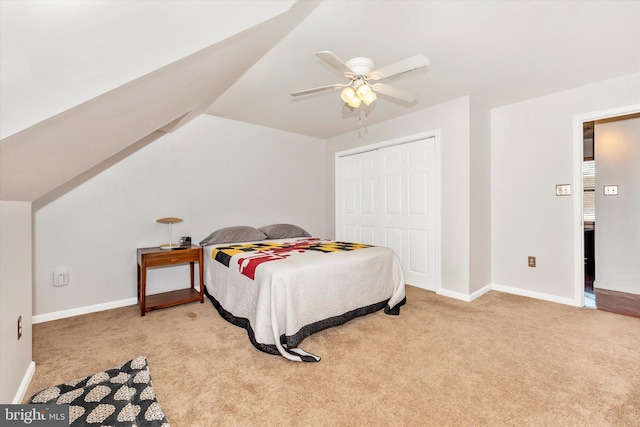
{"x":169,"y":220}
{"x":354,"y":102}
{"x":348,"y":93}
{"x":363,"y":91}
{"x":369,"y":97}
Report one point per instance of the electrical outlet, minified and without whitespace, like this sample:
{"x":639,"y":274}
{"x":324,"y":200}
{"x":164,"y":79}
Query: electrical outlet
{"x":60,"y":277}
{"x":19,"y":327}
{"x":532,"y":261}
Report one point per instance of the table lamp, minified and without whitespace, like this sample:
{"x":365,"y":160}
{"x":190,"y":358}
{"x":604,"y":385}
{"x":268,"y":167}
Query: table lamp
{"x":170,"y":221}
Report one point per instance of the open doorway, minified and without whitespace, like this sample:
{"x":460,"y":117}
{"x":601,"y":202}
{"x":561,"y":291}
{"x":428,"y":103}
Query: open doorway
{"x":608,"y":278}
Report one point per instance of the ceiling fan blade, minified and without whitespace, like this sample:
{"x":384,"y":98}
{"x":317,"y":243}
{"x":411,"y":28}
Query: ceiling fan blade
{"x":409,"y":64}
{"x":394,"y":92}
{"x":337,"y":63}
{"x":318,"y":89}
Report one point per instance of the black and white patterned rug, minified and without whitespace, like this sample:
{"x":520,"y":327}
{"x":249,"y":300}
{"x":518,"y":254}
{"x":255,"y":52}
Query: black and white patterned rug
{"x":122,"y":396}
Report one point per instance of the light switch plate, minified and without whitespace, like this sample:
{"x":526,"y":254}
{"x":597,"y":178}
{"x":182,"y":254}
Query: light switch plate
{"x":563,"y":189}
{"x":610,"y":190}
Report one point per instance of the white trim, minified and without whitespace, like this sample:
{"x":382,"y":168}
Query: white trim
{"x":438,"y":235}
{"x":24,"y":384}
{"x":455,"y":295}
{"x":578,"y":228}
{"x":435,"y":133}
{"x":508,"y":290}
{"x":464,"y":297}
{"x":47,"y":317}
{"x":535,"y":295}
{"x":480,"y":292}
{"x":389,"y":143}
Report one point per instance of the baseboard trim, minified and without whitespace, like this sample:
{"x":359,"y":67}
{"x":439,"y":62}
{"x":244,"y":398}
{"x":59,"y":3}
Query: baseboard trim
{"x":533,"y":294}
{"x":47,"y":317}
{"x":464,"y":297}
{"x":453,"y":294}
{"x":480,"y":292}
{"x":24,"y":384}
{"x":508,"y":290}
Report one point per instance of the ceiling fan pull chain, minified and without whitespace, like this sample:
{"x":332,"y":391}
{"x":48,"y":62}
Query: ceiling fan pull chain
{"x":366,"y":121}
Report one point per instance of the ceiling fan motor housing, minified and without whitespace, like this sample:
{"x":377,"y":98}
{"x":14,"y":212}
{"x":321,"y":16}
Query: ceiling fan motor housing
{"x":361,"y":66}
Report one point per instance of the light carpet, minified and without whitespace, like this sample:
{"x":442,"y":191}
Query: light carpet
{"x":501,"y":360}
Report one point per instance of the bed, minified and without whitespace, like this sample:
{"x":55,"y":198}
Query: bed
{"x":282,"y":285}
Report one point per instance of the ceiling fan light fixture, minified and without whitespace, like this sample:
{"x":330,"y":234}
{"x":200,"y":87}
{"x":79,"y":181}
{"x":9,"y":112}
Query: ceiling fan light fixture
{"x":354,"y":102}
{"x":363,"y":91}
{"x":369,"y":97}
{"x":347,"y":94}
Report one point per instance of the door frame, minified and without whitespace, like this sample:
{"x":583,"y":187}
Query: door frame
{"x":578,"y":226}
{"x":398,"y":141}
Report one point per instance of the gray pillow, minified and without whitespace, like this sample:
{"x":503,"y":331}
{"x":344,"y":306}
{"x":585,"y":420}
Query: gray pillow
{"x":283,"y":231}
{"x":240,"y":233}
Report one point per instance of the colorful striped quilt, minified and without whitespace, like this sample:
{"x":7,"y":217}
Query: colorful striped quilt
{"x":254,"y":254}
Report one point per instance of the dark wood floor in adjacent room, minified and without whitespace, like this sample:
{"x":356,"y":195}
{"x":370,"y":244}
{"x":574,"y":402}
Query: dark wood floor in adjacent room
{"x":611,"y":301}
{"x":618,"y":302}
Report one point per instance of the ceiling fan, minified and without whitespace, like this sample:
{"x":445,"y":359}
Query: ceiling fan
{"x":364,"y":78}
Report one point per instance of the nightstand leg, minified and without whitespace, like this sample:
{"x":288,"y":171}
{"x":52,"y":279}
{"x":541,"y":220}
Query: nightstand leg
{"x":142,"y":287}
{"x":201,"y":274}
{"x":138,"y":283}
{"x":192,"y":275}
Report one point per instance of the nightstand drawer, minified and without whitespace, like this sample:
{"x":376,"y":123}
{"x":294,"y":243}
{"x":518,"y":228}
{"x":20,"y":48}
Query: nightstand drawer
{"x":178,"y":256}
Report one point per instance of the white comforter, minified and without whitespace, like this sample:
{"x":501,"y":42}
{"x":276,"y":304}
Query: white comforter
{"x":306,"y":289}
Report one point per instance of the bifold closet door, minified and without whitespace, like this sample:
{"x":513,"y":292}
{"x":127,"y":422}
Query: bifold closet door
{"x":357,"y":198}
{"x":408,"y":215}
{"x":387,"y":198}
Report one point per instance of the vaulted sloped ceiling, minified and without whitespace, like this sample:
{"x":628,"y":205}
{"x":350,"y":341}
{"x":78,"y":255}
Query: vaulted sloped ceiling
{"x":85,"y":83}
{"x":81,"y":140}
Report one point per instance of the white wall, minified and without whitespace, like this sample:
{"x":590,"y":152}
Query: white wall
{"x":15,"y":297}
{"x":617,"y":238}
{"x":452,"y":119}
{"x":212,"y":173}
{"x":480,"y":198}
{"x":532,"y":144}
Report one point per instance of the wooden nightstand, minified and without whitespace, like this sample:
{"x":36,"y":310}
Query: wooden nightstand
{"x":156,"y":257}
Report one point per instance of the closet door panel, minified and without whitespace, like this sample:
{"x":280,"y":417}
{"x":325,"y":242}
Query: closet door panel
{"x":388,"y":199}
